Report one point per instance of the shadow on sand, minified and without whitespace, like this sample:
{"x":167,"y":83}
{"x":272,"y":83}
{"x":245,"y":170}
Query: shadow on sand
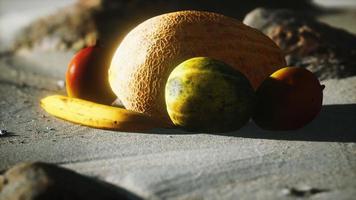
{"x":335,"y":123}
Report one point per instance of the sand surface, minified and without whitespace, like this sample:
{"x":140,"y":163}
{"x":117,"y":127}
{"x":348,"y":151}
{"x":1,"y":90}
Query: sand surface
{"x":172,"y":164}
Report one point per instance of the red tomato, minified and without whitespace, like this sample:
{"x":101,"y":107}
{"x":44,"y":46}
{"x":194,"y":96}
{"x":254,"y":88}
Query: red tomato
{"x":87,"y":76}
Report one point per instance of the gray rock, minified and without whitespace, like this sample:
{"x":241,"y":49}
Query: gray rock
{"x":328,"y":52}
{"x":46,"y":181}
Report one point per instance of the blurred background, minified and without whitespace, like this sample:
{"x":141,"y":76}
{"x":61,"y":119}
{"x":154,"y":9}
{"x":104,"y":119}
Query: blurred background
{"x":17,"y":14}
{"x":316,"y":34}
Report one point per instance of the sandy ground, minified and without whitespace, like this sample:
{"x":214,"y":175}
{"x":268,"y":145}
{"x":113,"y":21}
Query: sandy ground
{"x":172,"y":164}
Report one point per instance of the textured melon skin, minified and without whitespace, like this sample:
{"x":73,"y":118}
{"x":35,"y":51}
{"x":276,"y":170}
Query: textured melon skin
{"x":204,"y":94}
{"x":144,"y":59}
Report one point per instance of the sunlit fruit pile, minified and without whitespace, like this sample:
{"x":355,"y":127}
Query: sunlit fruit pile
{"x":199,"y":71}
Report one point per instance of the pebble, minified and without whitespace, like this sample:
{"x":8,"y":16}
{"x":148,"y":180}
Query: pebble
{"x":42,"y":181}
{"x":3,"y":132}
{"x":304,"y":191}
{"x":60,"y":84}
{"x":50,"y":129}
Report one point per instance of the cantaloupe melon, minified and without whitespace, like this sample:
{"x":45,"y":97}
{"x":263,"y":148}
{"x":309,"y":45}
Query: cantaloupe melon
{"x":146,"y":56}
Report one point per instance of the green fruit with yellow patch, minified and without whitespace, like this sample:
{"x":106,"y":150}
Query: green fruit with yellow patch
{"x":204,"y":94}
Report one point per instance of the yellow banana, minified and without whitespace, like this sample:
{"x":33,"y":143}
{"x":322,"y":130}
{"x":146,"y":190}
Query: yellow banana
{"x":97,"y":115}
